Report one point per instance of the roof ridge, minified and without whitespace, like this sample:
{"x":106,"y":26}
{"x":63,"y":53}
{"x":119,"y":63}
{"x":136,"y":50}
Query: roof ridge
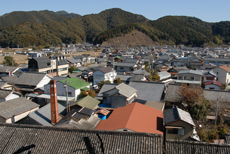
{"x":178,"y":113}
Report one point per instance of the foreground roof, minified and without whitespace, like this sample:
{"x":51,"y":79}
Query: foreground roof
{"x":87,"y":102}
{"x":226,"y":68}
{"x":136,"y":117}
{"x":5,"y":69}
{"x":65,"y":140}
{"x":16,"y":106}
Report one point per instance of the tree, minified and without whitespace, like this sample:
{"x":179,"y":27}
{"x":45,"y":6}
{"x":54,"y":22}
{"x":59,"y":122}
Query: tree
{"x":118,"y":81}
{"x":103,"y":82}
{"x":72,"y":68}
{"x":88,"y":92}
{"x":8,"y":60}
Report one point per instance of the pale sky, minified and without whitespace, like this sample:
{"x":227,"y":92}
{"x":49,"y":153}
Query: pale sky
{"x":206,"y":10}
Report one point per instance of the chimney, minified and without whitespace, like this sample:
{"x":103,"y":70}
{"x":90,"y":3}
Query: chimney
{"x":53,"y":103}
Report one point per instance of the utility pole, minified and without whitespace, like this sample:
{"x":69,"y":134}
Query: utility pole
{"x":216,"y":111}
{"x":67,"y":101}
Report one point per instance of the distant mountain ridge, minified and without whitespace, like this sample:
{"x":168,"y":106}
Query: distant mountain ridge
{"x":54,"y":28}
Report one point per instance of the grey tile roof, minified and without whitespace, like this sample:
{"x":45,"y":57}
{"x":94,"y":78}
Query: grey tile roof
{"x":157,"y":105}
{"x":172,"y":94}
{"x":175,"y":114}
{"x":190,"y":71}
{"x":130,"y":60}
{"x":105,"y":88}
{"x":72,"y":60}
{"x":43,"y":115}
{"x":65,"y":140}
{"x":2,"y":83}
{"x":4,"y":69}
{"x":125,"y":64}
{"x":4,"y":93}
{"x":106,"y":69}
{"x":148,"y":91}
{"x":10,"y":79}
{"x":126,"y":90}
{"x":140,"y":71}
{"x":123,"y":77}
{"x":39,"y":62}
{"x":16,"y":106}
{"x":31,"y":79}
{"x":137,"y":77}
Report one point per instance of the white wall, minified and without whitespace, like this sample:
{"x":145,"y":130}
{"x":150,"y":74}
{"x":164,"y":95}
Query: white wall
{"x":44,"y":81}
{"x":20,"y":116}
{"x":12,"y":96}
{"x":212,"y":86}
{"x":222,"y":75}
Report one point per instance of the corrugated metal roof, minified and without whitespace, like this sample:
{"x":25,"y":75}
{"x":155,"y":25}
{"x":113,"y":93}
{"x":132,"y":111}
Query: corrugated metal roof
{"x":16,"y":106}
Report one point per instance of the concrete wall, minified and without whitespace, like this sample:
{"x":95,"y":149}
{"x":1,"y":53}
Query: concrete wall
{"x":189,"y":76}
{"x":118,"y":101}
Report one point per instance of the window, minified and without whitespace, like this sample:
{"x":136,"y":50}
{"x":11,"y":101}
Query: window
{"x":180,"y":77}
{"x":192,"y":78}
{"x":216,"y":72}
{"x":172,"y":130}
{"x":69,"y":93}
{"x":176,"y":131}
{"x":48,"y":64}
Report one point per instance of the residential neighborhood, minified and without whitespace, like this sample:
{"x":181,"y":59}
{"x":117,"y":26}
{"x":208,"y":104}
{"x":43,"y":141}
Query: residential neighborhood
{"x":177,"y":94}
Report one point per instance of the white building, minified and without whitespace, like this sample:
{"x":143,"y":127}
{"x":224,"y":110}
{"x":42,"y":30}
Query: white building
{"x":104,"y":74}
{"x":222,"y":74}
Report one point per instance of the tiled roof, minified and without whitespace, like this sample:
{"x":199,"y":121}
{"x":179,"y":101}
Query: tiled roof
{"x":2,"y":83}
{"x":4,"y":69}
{"x":88,"y":102}
{"x":75,"y":83}
{"x":148,"y":91}
{"x":103,"y":111}
{"x":190,"y":71}
{"x":126,"y":90}
{"x":30,"y":79}
{"x":172,"y":93}
{"x":135,"y":117}
{"x":4,"y":93}
{"x":16,"y":106}
{"x":106,"y":69}
{"x":175,"y":114}
{"x":10,"y":79}
{"x":64,"y":140}
{"x":226,"y":68}
{"x":213,"y":82}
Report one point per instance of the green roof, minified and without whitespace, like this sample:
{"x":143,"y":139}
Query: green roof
{"x":118,"y":57}
{"x":75,"y":83}
{"x":77,"y":70}
{"x":87,"y":102}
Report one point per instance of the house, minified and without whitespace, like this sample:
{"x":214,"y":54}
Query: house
{"x":55,"y":65}
{"x":164,"y":75}
{"x":148,"y":91}
{"x":13,"y":110}
{"x":74,"y":88}
{"x":174,"y":70}
{"x":215,"y":85}
{"x":10,"y":80}
{"x":217,"y":61}
{"x":222,"y":74}
{"x":179,"y":125}
{"x":74,"y":62}
{"x":138,"y":77}
{"x":29,"y":82}
{"x":35,"y":54}
{"x":8,"y":70}
{"x":104,"y":74}
{"x":119,"y":95}
{"x":6,"y":95}
{"x":86,"y":102}
{"x":81,"y":118}
{"x":134,"y":117}
{"x":190,"y":77}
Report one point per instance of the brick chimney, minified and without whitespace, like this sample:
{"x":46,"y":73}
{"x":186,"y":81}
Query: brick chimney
{"x":53,"y":103}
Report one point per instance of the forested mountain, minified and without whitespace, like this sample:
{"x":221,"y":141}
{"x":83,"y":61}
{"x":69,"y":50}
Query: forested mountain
{"x":50,"y":28}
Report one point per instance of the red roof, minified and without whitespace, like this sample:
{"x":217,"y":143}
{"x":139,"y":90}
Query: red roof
{"x":213,"y":82}
{"x":226,"y":68}
{"x":136,"y":117}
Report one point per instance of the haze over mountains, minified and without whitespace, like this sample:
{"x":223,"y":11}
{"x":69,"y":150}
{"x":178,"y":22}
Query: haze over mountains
{"x":54,"y":28}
